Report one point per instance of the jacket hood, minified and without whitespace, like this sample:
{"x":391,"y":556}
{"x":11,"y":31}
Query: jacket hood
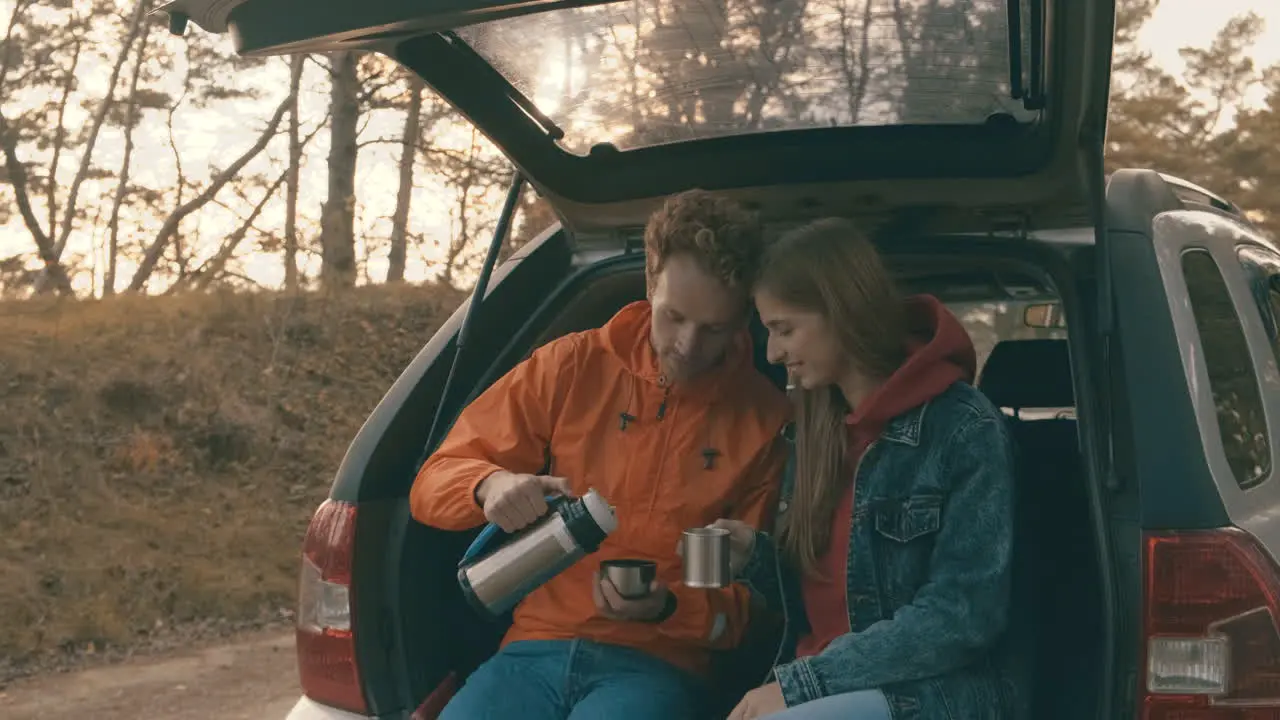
{"x":939,"y":352}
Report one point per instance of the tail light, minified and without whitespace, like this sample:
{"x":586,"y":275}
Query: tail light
{"x":1212,"y":642}
{"x":325,"y":636}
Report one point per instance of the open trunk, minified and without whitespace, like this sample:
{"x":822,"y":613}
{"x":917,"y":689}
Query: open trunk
{"x":415,"y":638}
{"x":956,"y":121}
{"x":1058,"y":603}
{"x":922,"y":109}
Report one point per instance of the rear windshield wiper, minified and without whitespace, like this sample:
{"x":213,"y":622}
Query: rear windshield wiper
{"x":1013,"y":9}
{"x":1033,"y":97}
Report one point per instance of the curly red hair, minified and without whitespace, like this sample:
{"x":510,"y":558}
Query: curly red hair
{"x":724,"y":237}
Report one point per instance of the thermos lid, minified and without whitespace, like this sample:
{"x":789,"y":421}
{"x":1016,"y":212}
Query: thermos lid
{"x":600,"y":511}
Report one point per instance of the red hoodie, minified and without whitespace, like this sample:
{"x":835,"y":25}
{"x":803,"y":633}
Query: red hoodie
{"x":939,"y":353}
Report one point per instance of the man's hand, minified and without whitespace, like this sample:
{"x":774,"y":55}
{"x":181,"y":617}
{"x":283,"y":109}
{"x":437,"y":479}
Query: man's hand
{"x":612,"y":605}
{"x":512,"y":501}
{"x":760,"y":702}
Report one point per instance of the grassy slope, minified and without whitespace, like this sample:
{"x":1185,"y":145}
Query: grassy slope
{"x":160,"y":457}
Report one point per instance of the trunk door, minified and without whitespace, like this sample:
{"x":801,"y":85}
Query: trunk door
{"x":910,"y":113}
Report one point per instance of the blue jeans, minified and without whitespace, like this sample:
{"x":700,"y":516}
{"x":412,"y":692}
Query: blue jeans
{"x":860,"y":705}
{"x":574,"y":680}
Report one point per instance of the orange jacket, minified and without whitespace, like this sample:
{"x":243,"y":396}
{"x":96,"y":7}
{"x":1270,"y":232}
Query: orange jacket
{"x":565,"y":402}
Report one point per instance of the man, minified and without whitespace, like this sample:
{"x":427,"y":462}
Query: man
{"x":661,"y":411}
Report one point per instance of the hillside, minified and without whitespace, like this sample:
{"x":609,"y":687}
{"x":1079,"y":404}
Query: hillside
{"x":160,"y":457}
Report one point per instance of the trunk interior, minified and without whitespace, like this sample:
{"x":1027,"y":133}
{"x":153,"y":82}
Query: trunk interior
{"x":1058,"y":593}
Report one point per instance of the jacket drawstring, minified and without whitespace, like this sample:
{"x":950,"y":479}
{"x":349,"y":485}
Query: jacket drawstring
{"x":709,"y":452}
{"x":627,"y":416}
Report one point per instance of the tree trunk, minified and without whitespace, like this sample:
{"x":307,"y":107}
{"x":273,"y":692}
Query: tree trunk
{"x":99,"y":117}
{"x":463,"y":185}
{"x":60,"y":136}
{"x":337,"y":224}
{"x":212,"y":269}
{"x":54,"y":272}
{"x":16,"y":173}
{"x":296,"y":65}
{"x":408,"y":153}
{"x":122,"y":187}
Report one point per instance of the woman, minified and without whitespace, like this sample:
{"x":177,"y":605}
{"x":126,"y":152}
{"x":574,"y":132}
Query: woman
{"x":891,"y":562}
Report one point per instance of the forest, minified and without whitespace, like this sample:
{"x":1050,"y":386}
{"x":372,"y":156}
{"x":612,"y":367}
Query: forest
{"x":136,"y":161}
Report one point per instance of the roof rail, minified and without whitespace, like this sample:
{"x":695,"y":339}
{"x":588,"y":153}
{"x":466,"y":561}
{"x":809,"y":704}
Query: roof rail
{"x":1182,"y":187}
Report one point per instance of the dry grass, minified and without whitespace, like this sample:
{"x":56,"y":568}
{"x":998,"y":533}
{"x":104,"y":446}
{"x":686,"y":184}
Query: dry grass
{"x":160,"y":457}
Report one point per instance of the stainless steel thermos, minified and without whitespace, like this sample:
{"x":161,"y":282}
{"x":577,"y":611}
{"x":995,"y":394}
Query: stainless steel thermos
{"x":494,"y":579}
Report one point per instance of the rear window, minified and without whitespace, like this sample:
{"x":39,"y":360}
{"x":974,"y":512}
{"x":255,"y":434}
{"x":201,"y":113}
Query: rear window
{"x":648,"y":72}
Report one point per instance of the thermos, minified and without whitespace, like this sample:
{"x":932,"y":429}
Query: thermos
{"x":494,"y":579}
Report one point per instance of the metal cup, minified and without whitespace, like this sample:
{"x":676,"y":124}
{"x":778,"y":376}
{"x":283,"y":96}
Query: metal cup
{"x":706,"y":558}
{"x":630,"y":577}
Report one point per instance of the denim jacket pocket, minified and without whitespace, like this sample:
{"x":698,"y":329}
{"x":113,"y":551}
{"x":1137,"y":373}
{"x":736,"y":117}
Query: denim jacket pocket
{"x":905,"y":530}
{"x":907,"y":519}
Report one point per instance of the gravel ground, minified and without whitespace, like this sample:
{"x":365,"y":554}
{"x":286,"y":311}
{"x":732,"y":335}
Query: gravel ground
{"x":253,"y":676}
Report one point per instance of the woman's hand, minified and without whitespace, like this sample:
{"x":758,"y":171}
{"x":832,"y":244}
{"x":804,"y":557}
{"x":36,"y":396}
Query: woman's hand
{"x":742,"y":538}
{"x":760,"y":702}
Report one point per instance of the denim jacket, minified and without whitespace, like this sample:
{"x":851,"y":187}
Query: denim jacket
{"x":929,"y":571}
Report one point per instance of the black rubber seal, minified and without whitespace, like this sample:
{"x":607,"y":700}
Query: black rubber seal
{"x":585,"y":531}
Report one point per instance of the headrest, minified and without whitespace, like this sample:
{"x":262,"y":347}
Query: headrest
{"x":1028,"y":374}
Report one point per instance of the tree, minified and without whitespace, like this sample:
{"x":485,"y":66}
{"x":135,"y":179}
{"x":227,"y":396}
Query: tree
{"x":1178,"y":125}
{"x":1184,"y":125}
{"x":170,"y":227}
{"x":533,"y":216}
{"x":31,"y":49}
{"x":404,"y":193}
{"x":476,"y":174}
{"x":132,"y":103}
{"x":297,"y":64}
{"x":947,"y":52}
{"x":337,"y":225}
{"x":1253,"y":152}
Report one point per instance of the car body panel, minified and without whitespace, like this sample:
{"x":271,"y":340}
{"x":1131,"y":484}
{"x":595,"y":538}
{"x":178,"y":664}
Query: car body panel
{"x":308,"y":709}
{"x":1255,"y":508}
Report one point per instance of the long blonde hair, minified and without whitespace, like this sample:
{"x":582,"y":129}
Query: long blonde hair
{"x":831,"y":268}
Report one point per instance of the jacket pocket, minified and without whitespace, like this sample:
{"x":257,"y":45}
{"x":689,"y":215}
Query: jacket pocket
{"x":905,"y":531}
{"x":909,"y":519}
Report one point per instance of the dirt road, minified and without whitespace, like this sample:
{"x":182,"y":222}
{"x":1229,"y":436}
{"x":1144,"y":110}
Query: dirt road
{"x":254,"y":677}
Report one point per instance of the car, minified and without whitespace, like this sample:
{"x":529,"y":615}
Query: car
{"x":1146,"y":422}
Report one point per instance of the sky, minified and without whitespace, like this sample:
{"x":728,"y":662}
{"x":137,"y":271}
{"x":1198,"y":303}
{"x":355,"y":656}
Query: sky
{"x":1181,"y":23}
{"x":1176,"y":24}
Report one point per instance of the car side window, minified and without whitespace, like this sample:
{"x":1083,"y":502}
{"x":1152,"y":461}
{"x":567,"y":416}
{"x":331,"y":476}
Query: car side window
{"x":1232,"y":377}
{"x":1262,"y":270}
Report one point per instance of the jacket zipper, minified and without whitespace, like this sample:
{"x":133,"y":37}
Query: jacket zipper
{"x":666,"y":439}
